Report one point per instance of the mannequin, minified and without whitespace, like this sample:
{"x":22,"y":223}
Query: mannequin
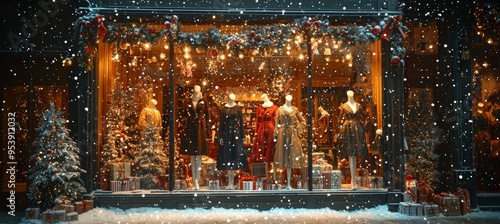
{"x":194,"y":138}
{"x":351,"y":139}
{"x":323,"y":131}
{"x":150,"y":116}
{"x":263,"y":144}
{"x":288,"y":146}
{"x":266,"y":102}
{"x":231,"y":155}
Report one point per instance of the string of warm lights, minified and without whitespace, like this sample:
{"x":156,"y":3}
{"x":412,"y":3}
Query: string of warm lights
{"x":252,"y":41}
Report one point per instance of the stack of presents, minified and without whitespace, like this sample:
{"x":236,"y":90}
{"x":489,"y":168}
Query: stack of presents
{"x":420,"y":200}
{"x":63,"y":211}
{"x":117,"y":177}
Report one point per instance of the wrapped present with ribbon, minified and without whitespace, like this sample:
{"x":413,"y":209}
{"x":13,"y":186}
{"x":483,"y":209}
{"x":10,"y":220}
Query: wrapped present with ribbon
{"x":269,"y":184}
{"x":361,"y":181}
{"x":79,"y":208}
{"x":32,"y":213}
{"x":72,"y":216}
{"x":375,"y":182}
{"x":425,"y":192}
{"x":88,"y":205}
{"x":409,"y":196}
{"x":134,"y":183}
{"x":51,"y":216}
{"x":332,"y":179}
{"x":119,"y":170}
{"x":411,"y":209}
{"x":318,"y":182}
{"x":104,"y":179}
{"x":213,"y":184}
{"x":450,"y":206}
{"x":247,"y":179}
{"x":71,"y":208}
{"x":431,"y":210}
{"x":249,"y":185}
{"x":162,"y":182}
{"x":464,"y":196}
{"x":117,"y":185}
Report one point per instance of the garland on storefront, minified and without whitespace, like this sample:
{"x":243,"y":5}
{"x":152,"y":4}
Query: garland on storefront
{"x":253,"y":40}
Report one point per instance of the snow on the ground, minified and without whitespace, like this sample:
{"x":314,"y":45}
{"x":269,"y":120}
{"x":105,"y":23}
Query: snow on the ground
{"x":378,"y":214}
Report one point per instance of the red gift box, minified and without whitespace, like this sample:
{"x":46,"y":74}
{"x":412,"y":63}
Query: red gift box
{"x":88,"y":205}
{"x":79,"y":208}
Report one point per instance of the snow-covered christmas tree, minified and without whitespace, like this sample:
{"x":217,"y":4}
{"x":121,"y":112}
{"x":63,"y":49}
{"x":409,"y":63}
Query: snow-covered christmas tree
{"x":123,"y":133}
{"x":424,"y":136}
{"x":151,"y":158}
{"x":55,"y":169}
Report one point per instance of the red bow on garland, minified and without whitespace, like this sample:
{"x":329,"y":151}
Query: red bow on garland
{"x":392,"y":22}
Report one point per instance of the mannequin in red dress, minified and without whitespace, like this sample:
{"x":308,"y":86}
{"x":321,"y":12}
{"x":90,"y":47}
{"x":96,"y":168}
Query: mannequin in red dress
{"x":263,"y":144}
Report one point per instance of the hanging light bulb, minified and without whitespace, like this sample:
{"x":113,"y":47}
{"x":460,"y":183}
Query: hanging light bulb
{"x":147,"y":46}
{"x":162,"y":56}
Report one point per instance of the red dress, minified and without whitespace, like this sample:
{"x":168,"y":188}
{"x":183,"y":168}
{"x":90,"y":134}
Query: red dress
{"x":263,"y":144}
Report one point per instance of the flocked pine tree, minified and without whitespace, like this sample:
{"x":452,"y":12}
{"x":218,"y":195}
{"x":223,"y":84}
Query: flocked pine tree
{"x":424,"y":135}
{"x":151,"y":158}
{"x":55,"y":163}
{"x":112,"y":149}
{"x":123,"y":132}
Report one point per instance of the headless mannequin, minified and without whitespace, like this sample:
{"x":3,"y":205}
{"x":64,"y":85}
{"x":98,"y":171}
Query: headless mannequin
{"x":196,"y":159}
{"x":266,"y":102}
{"x":352,"y":159}
{"x":230,"y":173}
{"x":288,"y":107}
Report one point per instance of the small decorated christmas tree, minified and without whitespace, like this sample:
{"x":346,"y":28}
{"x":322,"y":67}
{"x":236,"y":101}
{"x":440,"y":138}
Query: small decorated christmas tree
{"x":151,"y":158}
{"x":55,"y":170}
{"x":424,"y":136}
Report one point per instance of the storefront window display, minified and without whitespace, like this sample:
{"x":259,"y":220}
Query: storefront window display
{"x":239,"y":109}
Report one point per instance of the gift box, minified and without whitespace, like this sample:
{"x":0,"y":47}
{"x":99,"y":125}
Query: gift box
{"x":79,"y":208}
{"x":104,"y":179}
{"x":88,"y":205}
{"x":72,"y":216}
{"x":68,"y":208}
{"x":411,"y":209}
{"x":431,"y":210}
{"x":134,"y":183}
{"x":332,"y":179}
{"x":450,"y":206}
{"x":375,"y":182}
{"x":213,"y":184}
{"x":318,"y":182}
{"x":246,"y":179}
{"x":361,"y":181}
{"x":248,"y":185}
{"x":259,"y":169}
{"x":54,"y":216}
{"x":162,"y":182}
{"x":407,"y":197}
{"x":32,"y":213}
{"x":118,"y":185}
{"x":463,"y":195}
{"x":119,"y":170}
{"x":180,"y":184}
{"x":269,"y":184}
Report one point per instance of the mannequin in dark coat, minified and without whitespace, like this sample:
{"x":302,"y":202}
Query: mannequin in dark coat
{"x":194,"y":137}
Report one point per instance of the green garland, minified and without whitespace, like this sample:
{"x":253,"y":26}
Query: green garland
{"x":93,"y":28}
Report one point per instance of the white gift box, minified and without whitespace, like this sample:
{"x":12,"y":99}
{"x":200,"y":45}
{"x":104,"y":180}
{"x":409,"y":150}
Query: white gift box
{"x":213,"y":185}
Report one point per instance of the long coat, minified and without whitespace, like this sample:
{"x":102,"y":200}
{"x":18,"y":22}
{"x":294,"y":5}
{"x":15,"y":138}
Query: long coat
{"x":352,"y":141}
{"x":194,"y":120}
{"x":232,"y":153}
